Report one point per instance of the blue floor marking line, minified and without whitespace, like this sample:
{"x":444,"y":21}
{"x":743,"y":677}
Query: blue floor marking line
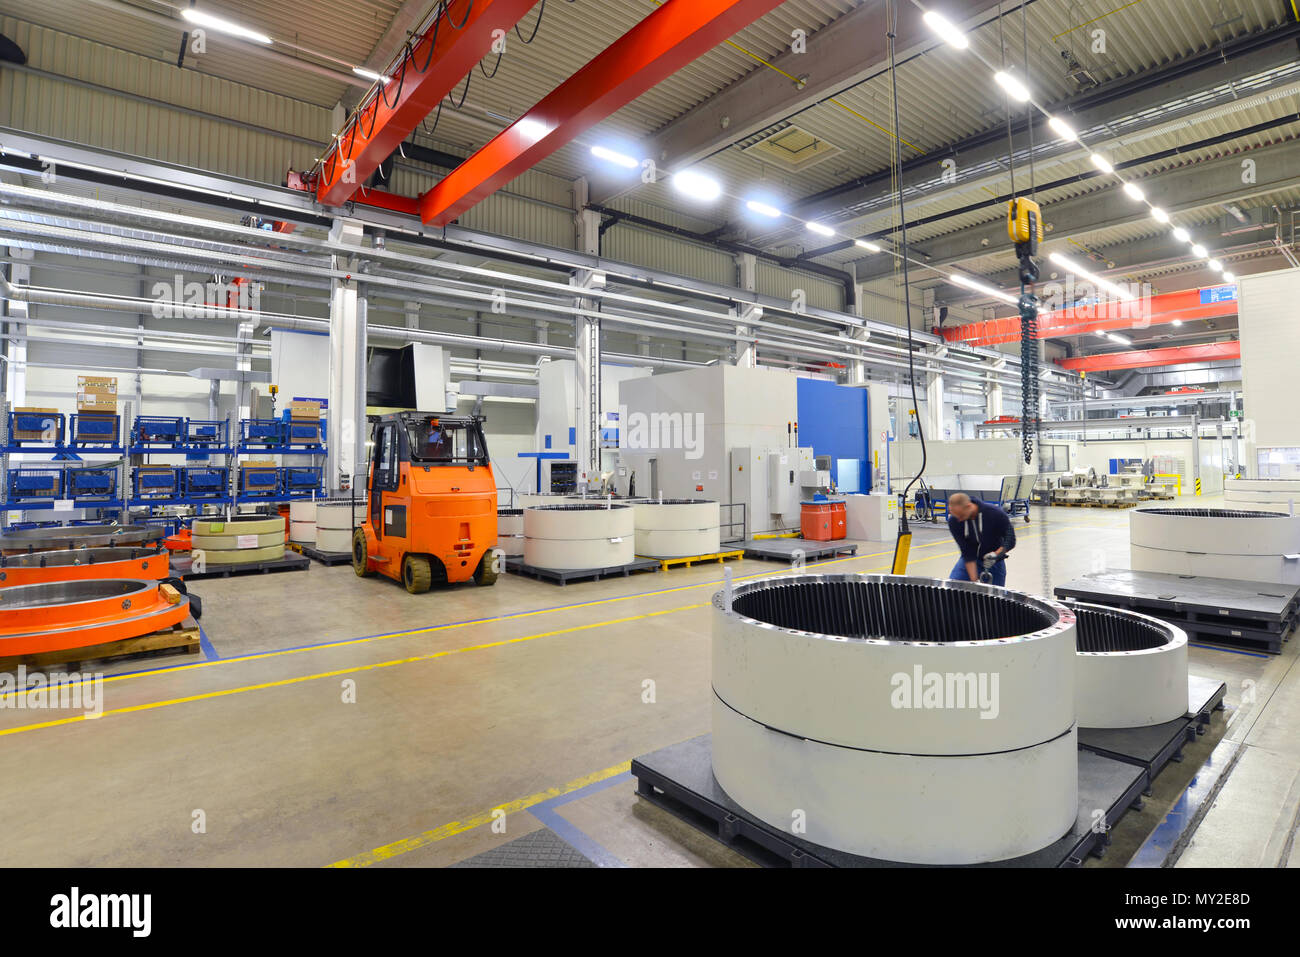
{"x":546,"y":812}
{"x":1155,"y":850}
{"x":206,"y":646}
{"x":1231,"y":651}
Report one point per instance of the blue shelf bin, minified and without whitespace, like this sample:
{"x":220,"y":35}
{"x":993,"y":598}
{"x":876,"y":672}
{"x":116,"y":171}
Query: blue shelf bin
{"x":300,"y":481}
{"x":154,"y":482}
{"x":36,"y":428}
{"x":158,"y":430}
{"x":261,"y":433}
{"x":259,"y":482}
{"x":205,"y":481}
{"x":25,"y":526}
{"x":35,"y":483}
{"x":303,"y":433}
{"x":91,"y":484}
{"x":89,"y":429}
{"x":207,"y":433}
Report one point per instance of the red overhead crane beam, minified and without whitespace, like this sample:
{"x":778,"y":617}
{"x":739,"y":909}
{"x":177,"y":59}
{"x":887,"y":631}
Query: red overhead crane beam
{"x":383,"y":122}
{"x":665,"y":41}
{"x":1142,"y":358}
{"x":1184,"y":305}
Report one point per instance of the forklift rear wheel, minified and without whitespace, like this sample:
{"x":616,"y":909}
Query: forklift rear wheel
{"x":486,"y":573}
{"x":360,"y":556}
{"x":416,"y":574}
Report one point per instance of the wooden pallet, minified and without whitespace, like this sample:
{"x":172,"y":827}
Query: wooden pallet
{"x":182,"y":638}
{"x":688,"y":561}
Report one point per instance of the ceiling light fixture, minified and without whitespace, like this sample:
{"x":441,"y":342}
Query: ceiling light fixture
{"x":615,"y":157}
{"x":969,"y":283}
{"x":199,"y":18}
{"x":869,"y":246}
{"x":1014,"y":88}
{"x":1062,"y":129}
{"x":1101,"y":163}
{"x":821,"y":230}
{"x":1181,"y":234}
{"x":1134,"y":192}
{"x":1199,"y":250}
{"x":1159,"y":215}
{"x":763,"y":209}
{"x":945,"y":28}
{"x":1122,"y":340}
{"x":1066,"y":263}
{"x":370,"y":75}
{"x":697,"y":185}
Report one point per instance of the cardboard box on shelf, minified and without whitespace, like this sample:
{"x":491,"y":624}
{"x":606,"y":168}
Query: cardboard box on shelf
{"x":24,"y":412}
{"x":96,"y":402}
{"x":97,"y":383}
{"x":304,"y":410}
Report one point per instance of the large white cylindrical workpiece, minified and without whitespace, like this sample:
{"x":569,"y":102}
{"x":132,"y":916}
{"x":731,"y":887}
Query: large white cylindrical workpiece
{"x":1130,"y":669}
{"x":1243,"y":544}
{"x":334,"y":525}
{"x":677,"y":528}
{"x":572,"y":537}
{"x":510,"y":531}
{"x":1274,"y":494}
{"x":904,"y":719}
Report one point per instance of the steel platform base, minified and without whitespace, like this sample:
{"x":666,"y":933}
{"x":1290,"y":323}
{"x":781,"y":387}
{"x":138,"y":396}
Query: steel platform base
{"x":515,"y":564}
{"x":785,"y":549}
{"x":1255,"y":615}
{"x":1154,"y":747}
{"x":680,"y":780}
{"x":291,"y":562}
{"x":325,"y":558}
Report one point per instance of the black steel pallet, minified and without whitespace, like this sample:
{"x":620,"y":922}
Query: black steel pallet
{"x":785,"y":549}
{"x":680,"y":780}
{"x":326,"y":558}
{"x":1255,"y":615}
{"x":291,"y":562}
{"x":516,"y":565}
{"x":1152,"y":748}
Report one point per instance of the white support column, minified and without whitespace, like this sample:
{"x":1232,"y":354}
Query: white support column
{"x":858,"y":367}
{"x":746,"y":279}
{"x":347,"y":399}
{"x":16,"y":315}
{"x":993,"y":399}
{"x":587,"y":346}
{"x":933,"y":423}
{"x":412,"y":313}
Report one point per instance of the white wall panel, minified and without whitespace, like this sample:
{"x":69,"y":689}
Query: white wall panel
{"x":1270,"y":337}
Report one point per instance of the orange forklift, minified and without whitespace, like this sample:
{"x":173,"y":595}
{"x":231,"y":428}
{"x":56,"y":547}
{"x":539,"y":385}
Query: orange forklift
{"x":431,"y":515}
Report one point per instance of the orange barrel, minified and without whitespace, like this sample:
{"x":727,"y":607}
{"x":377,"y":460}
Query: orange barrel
{"x":77,"y":536}
{"x":59,"y":615}
{"x":815,"y":521}
{"x":81,"y":564}
{"x":839,"y":520}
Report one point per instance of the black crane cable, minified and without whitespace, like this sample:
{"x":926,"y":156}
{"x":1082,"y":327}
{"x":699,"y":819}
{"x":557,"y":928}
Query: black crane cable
{"x":907,"y":295}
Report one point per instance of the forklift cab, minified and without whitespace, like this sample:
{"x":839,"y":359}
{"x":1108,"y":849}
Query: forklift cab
{"x":431,"y":510}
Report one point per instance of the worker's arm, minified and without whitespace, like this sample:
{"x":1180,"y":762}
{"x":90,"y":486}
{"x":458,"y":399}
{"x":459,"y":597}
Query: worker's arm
{"x":969,"y":550}
{"x":1008,"y":542}
{"x":972,"y":571}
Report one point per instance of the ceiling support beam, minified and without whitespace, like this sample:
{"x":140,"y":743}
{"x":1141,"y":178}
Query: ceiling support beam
{"x":669,"y":38}
{"x":1150,"y":358}
{"x":392,"y":112}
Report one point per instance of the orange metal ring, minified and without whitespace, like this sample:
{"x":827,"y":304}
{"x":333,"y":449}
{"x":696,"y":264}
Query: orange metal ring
{"x":77,"y":614}
{"x":82,"y":564}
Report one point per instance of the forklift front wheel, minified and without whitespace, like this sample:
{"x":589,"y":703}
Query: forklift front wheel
{"x":360,"y":554}
{"x":417,"y":576}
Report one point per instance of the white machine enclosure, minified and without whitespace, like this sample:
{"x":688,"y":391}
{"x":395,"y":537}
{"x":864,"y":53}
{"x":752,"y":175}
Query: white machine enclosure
{"x":677,"y":528}
{"x":872,"y":518}
{"x":569,"y":537}
{"x":1130,"y":687}
{"x":1247,"y":545}
{"x":838,"y":729}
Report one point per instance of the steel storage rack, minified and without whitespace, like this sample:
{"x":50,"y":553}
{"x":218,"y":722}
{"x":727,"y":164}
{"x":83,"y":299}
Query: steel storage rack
{"x":66,"y":482}
{"x":283,"y":436}
{"x":198,"y":482}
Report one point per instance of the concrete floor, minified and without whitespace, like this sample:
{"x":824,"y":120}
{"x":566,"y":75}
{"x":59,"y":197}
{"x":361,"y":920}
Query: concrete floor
{"x":344,"y":720}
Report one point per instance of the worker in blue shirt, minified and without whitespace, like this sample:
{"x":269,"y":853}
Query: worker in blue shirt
{"x":985,"y":534}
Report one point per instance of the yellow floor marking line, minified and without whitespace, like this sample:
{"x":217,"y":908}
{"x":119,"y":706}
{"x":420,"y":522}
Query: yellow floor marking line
{"x":489,"y":621}
{"x":424,"y":838}
{"x":339,"y":672}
